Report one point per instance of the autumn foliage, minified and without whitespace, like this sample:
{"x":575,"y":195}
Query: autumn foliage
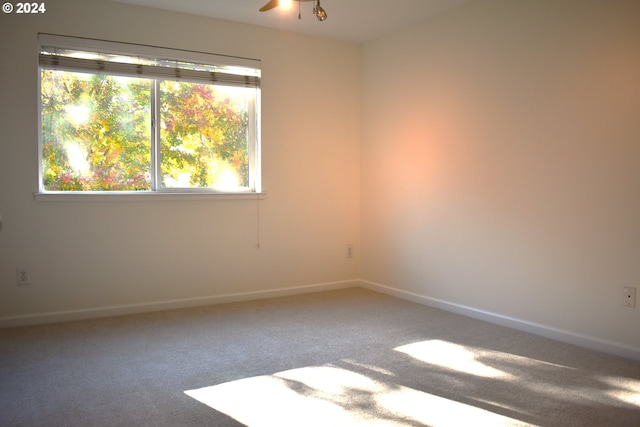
{"x":98,"y":134}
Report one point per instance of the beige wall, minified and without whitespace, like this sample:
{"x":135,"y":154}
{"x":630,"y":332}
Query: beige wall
{"x":501,"y":162}
{"x":89,"y":255}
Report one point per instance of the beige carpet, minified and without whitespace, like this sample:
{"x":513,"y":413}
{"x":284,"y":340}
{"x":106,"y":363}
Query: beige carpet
{"x":340,"y":358}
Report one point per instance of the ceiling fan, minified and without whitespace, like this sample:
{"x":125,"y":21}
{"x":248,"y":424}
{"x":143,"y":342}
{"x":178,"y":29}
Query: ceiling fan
{"x":318,"y":11}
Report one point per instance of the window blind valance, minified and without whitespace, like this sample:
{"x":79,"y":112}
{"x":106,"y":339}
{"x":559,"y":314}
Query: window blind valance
{"x":97,"y":56}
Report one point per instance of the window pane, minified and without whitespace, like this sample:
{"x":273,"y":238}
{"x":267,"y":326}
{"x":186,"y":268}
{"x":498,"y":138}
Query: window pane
{"x":96,"y":133}
{"x":204,"y":136}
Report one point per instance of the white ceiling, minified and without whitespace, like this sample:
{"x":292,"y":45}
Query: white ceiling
{"x":349,"y":20}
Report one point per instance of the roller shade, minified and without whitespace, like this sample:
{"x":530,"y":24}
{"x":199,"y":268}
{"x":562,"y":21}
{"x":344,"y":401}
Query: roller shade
{"x":106,"y":58}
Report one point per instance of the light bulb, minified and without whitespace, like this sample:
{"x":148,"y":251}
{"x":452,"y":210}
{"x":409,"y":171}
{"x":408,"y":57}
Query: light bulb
{"x":320,"y":13}
{"x":286,"y":4}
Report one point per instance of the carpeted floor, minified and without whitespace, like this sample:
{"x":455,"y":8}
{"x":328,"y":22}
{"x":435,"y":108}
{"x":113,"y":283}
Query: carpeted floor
{"x":340,"y":358}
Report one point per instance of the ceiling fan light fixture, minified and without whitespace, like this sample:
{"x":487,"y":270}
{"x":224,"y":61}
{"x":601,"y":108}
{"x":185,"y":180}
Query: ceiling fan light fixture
{"x":320,"y":12}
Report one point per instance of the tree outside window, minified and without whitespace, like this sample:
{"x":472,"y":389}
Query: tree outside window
{"x":105,"y":131}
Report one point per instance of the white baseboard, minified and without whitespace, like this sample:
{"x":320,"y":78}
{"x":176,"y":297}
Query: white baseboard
{"x":119,"y":310}
{"x":569,"y":337}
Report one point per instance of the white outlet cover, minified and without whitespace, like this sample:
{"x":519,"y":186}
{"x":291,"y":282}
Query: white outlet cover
{"x":629,"y":297}
{"x":22,"y":276}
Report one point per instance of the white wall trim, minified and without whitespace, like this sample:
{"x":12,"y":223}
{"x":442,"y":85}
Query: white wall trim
{"x":510,"y":322}
{"x":565,"y":336}
{"x":119,"y":310}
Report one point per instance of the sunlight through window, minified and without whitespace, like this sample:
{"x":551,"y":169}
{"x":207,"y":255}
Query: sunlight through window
{"x":146,"y":123}
{"x":78,"y":114}
{"x":332,"y":396}
{"x":451,"y":356}
{"x":626,"y":390}
{"x":77,"y":158}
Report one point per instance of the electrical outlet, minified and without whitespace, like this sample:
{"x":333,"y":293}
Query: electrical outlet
{"x":348,"y":252}
{"x":629,"y":297}
{"x":22,"y":276}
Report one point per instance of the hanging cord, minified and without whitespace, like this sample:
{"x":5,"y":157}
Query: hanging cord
{"x":258,"y":221}
{"x":299,"y":10}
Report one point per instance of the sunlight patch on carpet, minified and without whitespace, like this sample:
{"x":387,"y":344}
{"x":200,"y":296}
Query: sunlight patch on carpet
{"x":329,"y":395}
{"x":452,"y":356}
{"x":626,"y":390}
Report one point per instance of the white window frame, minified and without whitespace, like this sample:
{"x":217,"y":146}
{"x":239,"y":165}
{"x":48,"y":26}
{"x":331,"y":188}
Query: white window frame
{"x":217,"y":63}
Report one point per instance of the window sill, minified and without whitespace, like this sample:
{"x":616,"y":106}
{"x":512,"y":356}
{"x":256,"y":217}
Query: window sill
{"x":65,"y":196}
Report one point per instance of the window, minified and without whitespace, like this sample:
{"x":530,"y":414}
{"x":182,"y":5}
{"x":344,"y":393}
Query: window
{"x":118,"y":117}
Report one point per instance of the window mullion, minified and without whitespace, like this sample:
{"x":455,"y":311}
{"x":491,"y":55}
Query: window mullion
{"x":155,"y":135}
{"x":253,"y":144}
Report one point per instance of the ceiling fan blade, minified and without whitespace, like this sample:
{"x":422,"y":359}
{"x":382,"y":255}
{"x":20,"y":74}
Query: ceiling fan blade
{"x":272,"y":4}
